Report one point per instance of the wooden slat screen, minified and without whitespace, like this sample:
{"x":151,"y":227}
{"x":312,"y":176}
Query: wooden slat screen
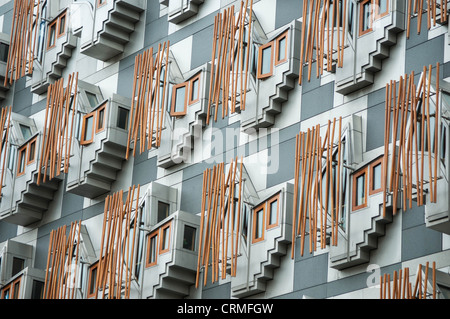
{"x":435,"y":10}
{"x":402,"y":288}
{"x":117,"y":257}
{"x":5,"y":118}
{"x":148,"y":98}
{"x":62,"y":263}
{"x":311,"y":205}
{"x":410,"y":105}
{"x":316,"y":29}
{"x":229,"y":66}
{"x":23,"y":39}
{"x":56,"y":140}
{"x":218,"y":220}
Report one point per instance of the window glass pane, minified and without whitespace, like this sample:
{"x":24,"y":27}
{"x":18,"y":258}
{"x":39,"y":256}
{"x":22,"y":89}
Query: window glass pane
{"x":366,"y":16}
{"x":62,"y":25}
{"x":360,"y":189}
{"x":122,"y":118}
{"x":26,"y":131}
{"x":189,"y":238}
{"x":282,"y":49}
{"x":259,"y":223}
{"x":101,"y":118}
{"x":180,"y":99}
{"x":17,"y":266}
{"x":165,"y":238}
{"x":52,"y":35}
{"x":245,"y":223}
{"x":383,"y":6}
{"x":266,"y":60}
{"x":153,"y":245}
{"x":194,"y":93}
{"x":92,"y":98}
{"x":443,"y":143}
{"x":273,"y":212}
{"x":376,"y":173}
{"x":22,"y":160}
{"x":16,"y":290}
{"x":31,"y":151}
{"x":6,"y":294}
{"x":350,"y":18}
{"x":37,"y":289}
{"x":163,"y":210}
{"x":88,"y":128}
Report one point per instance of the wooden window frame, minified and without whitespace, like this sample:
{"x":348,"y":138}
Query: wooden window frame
{"x":28,"y":160}
{"x":360,"y":172}
{"x":269,"y":202}
{"x":285,"y":36}
{"x":377,"y":14}
{"x":97,"y":118}
{"x":361,"y":17}
{"x":191,"y":86}
{"x":11,"y":289}
{"x":21,"y":150}
{"x":161,"y":241}
{"x":174,"y":94}
{"x":149,"y":240}
{"x":260,"y":55}
{"x":83,"y":140}
{"x":255,"y":211}
{"x":55,"y":25}
{"x":59,"y":34}
{"x":91,"y":269}
{"x":372,"y":177}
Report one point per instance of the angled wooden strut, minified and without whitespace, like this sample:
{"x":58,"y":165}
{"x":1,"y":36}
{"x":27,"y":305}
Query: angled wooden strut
{"x":230,"y":61}
{"x":116,"y":261}
{"x":25,"y":24}
{"x":314,"y":205}
{"x":61,"y":274}
{"x":56,"y":140}
{"x":148,"y":99}
{"x":409,"y":115}
{"x":321,"y":25}
{"x":219,"y":239}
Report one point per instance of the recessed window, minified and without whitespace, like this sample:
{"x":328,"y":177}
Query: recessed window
{"x":359,"y":189}
{"x":381,"y":8}
{"x":165,"y":238}
{"x":265,"y":63}
{"x":281,"y":49}
{"x":62,"y":24}
{"x":189,"y":238}
{"x":258,"y":223}
{"x":350,"y":19}
{"x":179,"y":100}
{"x":163,"y":210}
{"x":443,"y":144}
{"x":152,"y":249}
{"x":17,"y":265}
{"x":194,"y":92}
{"x":37,"y":290}
{"x":122,"y":118}
{"x":51,"y":35}
{"x":101,"y":111}
{"x":92,"y":280}
{"x":4,"y":48}
{"x":365,"y":24}
{"x":31,"y":153}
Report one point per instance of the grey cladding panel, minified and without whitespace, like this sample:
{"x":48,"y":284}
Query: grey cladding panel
{"x":317,"y":101}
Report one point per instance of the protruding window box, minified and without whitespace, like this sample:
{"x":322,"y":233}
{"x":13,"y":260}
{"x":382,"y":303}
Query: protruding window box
{"x":179,"y":10}
{"x":4,"y":47}
{"x":273,"y":73}
{"x":58,"y":43}
{"x":186,"y":117}
{"x":108,"y":29}
{"x":100,"y":146}
{"x":171,"y":256}
{"x":14,"y":257}
{"x":27,"y":284}
{"x":372,"y":28}
{"x":365,"y":222}
{"x":268,"y":234}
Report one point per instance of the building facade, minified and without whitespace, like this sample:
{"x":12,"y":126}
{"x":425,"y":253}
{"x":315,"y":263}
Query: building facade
{"x":224,"y":149}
